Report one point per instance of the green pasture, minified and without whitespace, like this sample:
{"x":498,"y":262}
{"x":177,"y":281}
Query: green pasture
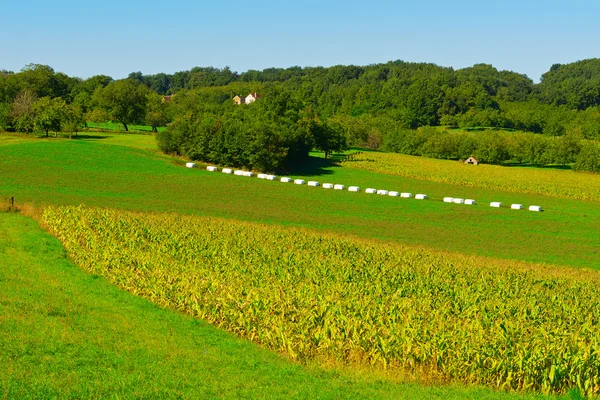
{"x":89,"y":171}
{"x":68,"y":334}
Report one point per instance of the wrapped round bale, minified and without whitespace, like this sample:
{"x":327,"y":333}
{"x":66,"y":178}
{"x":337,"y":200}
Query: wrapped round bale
{"x":211,"y":168}
{"x":339,"y":187}
{"x":312,"y":183}
{"x":448,"y":199}
{"x":496,"y":204}
{"x":535,"y":208}
{"x":261,"y":176}
{"x":299,"y":181}
{"x":226,"y":171}
{"x":353,"y":189}
{"x":382,"y":192}
{"x":469,"y":202}
{"x":286,"y":180}
{"x":393,"y":194}
{"x":271,"y":177}
{"x":239,"y":172}
{"x":190,"y":165}
{"x":516,"y":206}
{"x":371,"y":190}
{"x":406,"y":195}
{"x":328,"y":186}
{"x":459,"y":201}
{"x":420,"y":196}
{"x":249,"y":174}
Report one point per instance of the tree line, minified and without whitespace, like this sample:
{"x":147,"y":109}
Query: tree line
{"x":369,"y":106}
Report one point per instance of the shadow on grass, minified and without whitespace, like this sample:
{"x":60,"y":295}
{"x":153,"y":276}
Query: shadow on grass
{"x":89,"y":137}
{"x":314,"y":166}
{"x":539,"y":166}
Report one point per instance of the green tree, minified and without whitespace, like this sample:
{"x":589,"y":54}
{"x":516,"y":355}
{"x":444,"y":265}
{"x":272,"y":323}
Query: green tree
{"x":49,"y":114}
{"x":588,"y":159}
{"x":157,"y":113}
{"x":123,"y":101}
{"x":74,"y":120}
{"x":4,"y":112}
{"x":327,"y":137}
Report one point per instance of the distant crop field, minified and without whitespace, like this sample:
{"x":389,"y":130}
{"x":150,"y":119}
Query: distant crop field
{"x":86,"y":171}
{"x":508,"y":325}
{"x":550,"y":182}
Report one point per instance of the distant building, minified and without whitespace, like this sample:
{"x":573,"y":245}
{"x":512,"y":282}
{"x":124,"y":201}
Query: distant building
{"x":472,"y":160}
{"x":251,"y":98}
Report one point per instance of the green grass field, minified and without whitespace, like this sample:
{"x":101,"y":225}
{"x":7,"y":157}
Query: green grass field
{"x":72,"y":172}
{"x":126,"y":172}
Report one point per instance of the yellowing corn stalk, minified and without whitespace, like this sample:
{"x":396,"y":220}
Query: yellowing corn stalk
{"x":317,"y":296}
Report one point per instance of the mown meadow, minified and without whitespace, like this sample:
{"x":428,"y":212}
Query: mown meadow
{"x":86,"y":171}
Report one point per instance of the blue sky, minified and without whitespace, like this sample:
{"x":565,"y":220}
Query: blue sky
{"x":118,"y":37}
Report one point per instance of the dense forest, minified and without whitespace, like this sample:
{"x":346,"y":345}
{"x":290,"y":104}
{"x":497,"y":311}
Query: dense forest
{"x":499,"y":116}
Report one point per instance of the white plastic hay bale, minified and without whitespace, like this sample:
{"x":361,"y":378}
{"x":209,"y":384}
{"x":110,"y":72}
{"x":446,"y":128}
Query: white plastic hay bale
{"x":312,"y":183}
{"x":190,"y":165}
{"x":286,"y":180}
{"x":249,"y":174}
{"x":226,"y":170}
{"x":354,"y":189}
{"x":420,"y":196}
{"x":496,"y":204}
{"x":393,"y":193}
{"x":271,"y":177}
{"x":239,"y":172}
{"x":328,"y":186}
{"x":406,"y":195}
{"x":261,"y":176}
{"x":299,"y":181}
{"x":535,"y":208}
{"x":211,"y":168}
{"x":469,"y":202}
{"x":370,"y":190}
{"x":448,"y":199}
{"x":382,"y":192}
{"x":458,"y":201}
{"x":516,"y":206}
{"x":339,"y":187}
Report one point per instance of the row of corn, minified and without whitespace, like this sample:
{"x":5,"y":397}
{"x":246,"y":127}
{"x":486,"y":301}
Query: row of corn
{"x":315,"y":296}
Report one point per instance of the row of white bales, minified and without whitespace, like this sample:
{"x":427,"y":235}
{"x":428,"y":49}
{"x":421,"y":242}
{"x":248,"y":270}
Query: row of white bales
{"x":419,"y":196}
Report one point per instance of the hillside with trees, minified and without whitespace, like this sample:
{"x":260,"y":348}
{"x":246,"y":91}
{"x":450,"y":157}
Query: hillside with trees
{"x":498,"y":116}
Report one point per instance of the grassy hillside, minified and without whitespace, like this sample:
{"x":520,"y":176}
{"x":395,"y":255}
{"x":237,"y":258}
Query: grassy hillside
{"x":67,"y":334}
{"x":89,"y":172}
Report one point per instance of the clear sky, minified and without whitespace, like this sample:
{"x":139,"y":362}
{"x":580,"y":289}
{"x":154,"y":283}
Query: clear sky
{"x":118,"y":37}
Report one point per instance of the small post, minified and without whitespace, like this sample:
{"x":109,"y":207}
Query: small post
{"x":12,"y":203}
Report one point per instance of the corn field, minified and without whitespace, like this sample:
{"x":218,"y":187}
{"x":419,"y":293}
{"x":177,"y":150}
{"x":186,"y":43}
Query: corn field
{"x":315,"y":296}
{"x":565,"y":184}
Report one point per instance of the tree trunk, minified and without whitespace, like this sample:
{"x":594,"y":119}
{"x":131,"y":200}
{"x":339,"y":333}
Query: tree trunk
{"x":125,"y":125}
{"x":46,"y":132}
